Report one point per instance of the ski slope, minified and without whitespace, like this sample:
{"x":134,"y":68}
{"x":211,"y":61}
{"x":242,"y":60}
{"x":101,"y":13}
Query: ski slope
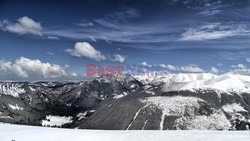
{"x":10,"y":132}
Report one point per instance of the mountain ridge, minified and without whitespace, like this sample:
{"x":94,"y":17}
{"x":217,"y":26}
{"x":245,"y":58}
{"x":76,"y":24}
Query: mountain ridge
{"x":170,"y":102}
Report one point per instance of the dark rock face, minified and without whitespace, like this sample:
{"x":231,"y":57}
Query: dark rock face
{"x":143,"y":117}
{"x":87,"y":95}
{"x":30,"y":105}
{"x":108,"y":117}
{"x":123,"y":103}
{"x":131,"y":114}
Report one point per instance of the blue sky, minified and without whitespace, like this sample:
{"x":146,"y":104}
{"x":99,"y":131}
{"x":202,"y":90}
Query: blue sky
{"x":174,"y":35}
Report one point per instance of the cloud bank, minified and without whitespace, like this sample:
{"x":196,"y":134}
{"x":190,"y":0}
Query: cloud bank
{"x":26,"y":68}
{"x":211,"y":31}
{"x":194,"y":69}
{"x":24,"y":25}
{"x":167,"y":67}
{"x":239,"y":66}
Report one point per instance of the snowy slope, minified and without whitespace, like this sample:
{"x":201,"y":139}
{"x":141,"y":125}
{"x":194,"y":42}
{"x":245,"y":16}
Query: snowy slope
{"x":227,"y":83}
{"x":56,"y":121}
{"x":13,"y":89}
{"x":176,"y":105}
{"x":28,"y":133}
{"x":186,"y":108}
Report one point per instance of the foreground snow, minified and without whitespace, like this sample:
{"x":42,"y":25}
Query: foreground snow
{"x":28,"y":133}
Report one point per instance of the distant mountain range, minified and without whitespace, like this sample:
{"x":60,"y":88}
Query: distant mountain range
{"x":188,"y":101}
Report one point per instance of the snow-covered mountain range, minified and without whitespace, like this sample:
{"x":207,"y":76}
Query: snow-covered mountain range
{"x":170,"y":102}
{"x":227,"y":83}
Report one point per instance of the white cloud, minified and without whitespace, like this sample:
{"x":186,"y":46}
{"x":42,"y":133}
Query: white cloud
{"x":84,"y":49}
{"x":239,"y":66}
{"x":145,"y":64}
{"x":86,"y":24}
{"x":67,"y":66}
{"x":5,"y":66}
{"x":192,"y":69}
{"x":244,"y":71}
{"x":24,"y":25}
{"x":189,"y":68}
{"x":53,"y":38}
{"x":73,"y":74}
{"x":211,"y":31}
{"x":119,"y":17}
{"x":50,"y":53}
{"x":248,"y":60}
{"x":209,"y":12}
{"x":240,"y":69}
{"x":25,"y":68}
{"x":163,"y":65}
{"x":214,"y":70}
{"x":220,"y":64}
{"x":93,"y":39}
{"x":170,"y":67}
{"x":119,"y":58}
